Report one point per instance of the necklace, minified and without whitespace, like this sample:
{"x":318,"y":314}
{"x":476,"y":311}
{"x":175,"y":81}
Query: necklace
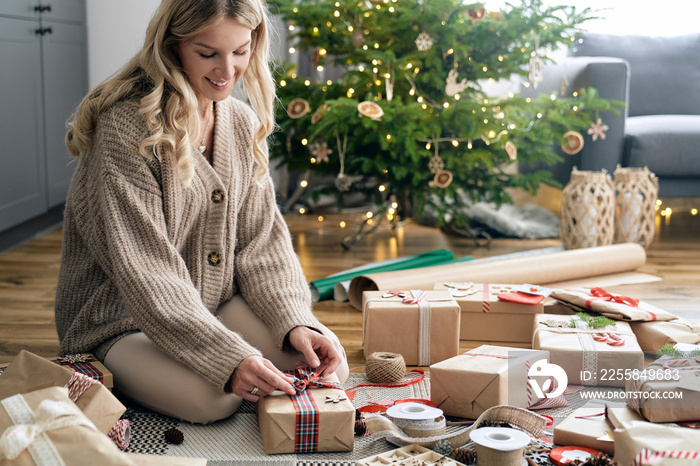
{"x":202,"y":147}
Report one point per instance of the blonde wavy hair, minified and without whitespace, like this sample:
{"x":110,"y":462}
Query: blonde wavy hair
{"x":156,"y":79}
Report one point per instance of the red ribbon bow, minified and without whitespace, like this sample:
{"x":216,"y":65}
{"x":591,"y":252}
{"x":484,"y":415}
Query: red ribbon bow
{"x":305,"y":377}
{"x":607,"y":296}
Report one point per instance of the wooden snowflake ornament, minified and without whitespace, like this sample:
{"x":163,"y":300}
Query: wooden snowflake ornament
{"x":598,"y":129}
{"x":424,"y":42}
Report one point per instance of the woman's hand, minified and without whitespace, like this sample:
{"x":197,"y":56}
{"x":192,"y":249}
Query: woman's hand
{"x":256,"y":377}
{"x":319,"y":351}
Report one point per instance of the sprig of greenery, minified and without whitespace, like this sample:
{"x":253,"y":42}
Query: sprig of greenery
{"x":671,"y":350}
{"x":592,"y":321}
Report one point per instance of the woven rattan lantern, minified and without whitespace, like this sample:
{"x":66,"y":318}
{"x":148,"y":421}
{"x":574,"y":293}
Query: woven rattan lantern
{"x":588,"y":210}
{"x":636,"y":192}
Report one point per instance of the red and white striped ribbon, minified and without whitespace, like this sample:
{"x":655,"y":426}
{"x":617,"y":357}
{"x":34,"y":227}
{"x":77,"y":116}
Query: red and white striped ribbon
{"x":78,"y":384}
{"x":527,"y":383}
{"x":415,"y":299}
{"x":648,"y":457}
{"x":486,"y":301}
{"x":120,"y":433}
{"x":683,"y":364}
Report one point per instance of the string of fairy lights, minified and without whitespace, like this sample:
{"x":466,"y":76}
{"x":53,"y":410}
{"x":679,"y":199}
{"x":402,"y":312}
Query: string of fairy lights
{"x":386,"y":78}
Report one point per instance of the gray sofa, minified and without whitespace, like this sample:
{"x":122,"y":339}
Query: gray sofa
{"x":659,"y":80}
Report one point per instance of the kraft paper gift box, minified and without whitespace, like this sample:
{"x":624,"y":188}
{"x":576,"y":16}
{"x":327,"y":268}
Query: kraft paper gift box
{"x":47,"y":425}
{"x":84,"y":363}
{"x":668,"y":390}
{"x":592,"y":425}
{"x":653,"y":335}
{"x":611,"y":305}
{"x":469,"y":384}
{"x":421,"y":325}
{"x":317,"y":419}
{"x":29,"y":372}
{"x":585,"y":360}
{"x":647,"y":444}
{"x":486,"y":318}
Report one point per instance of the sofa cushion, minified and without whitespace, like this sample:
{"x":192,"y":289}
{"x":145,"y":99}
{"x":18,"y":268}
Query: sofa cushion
{"x":668,"y":144}
{"x":664,"y":71}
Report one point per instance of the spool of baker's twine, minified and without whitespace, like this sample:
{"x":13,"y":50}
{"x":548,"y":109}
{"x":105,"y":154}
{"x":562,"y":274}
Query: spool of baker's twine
{"x":499,"y":446}
{"x":383,"y":367}
{"x":417,"y":420}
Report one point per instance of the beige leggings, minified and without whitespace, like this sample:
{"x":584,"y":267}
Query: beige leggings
{"x":148,"y":376}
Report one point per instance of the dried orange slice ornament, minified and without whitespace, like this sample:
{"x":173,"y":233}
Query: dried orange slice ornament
{"x":511,"y":150}
{"x":573,"y":144}
{"x":298,"y":108}
{"x":443,"y":178}
{"x":370,"y":110}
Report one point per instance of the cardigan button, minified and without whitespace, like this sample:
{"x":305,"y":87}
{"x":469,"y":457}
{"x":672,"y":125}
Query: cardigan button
{"x":217,"y":196}
{"x":214,"y":258}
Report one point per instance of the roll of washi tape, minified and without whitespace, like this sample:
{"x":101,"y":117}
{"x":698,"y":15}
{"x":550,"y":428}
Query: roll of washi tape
{"x":564,"y":455}
{"x":417,"y":420}
{"x":413,"y":411}
{"x":500,"y":446}
{"x":384,"y":367}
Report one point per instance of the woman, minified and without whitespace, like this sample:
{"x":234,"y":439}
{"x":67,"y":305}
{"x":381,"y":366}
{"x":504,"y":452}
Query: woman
{"x":178,"y":270}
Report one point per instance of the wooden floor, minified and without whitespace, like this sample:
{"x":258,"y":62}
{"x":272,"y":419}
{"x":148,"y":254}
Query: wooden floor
{"x":28,"y":273}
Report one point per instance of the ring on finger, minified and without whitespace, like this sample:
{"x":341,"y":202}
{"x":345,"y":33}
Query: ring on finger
{"x":254,"y":391}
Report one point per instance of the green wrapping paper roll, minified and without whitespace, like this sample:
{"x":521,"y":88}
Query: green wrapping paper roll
{"x":322,"y":289}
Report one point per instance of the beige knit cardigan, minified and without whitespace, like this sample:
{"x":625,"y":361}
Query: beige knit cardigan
{"x":142,"y":252}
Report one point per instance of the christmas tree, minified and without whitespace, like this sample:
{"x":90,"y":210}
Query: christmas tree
{"x":408,"y":122}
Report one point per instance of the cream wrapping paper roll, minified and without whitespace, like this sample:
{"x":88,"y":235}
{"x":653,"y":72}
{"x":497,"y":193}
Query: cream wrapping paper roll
{"x":546,"y":269}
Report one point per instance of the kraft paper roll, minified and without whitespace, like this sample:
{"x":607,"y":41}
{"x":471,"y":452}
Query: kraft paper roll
{"x":547,"y":269}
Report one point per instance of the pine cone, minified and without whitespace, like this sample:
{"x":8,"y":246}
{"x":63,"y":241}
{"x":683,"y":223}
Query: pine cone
{"x":174,"y":436}
{"x":360,"y":426}
{"x":598,"y":460}
{"x":488,"y":423}
{"x":443,"y":447}
{"x":464,"y":455}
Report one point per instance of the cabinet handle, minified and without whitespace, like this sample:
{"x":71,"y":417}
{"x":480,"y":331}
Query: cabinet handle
{"x":42,"y":8}
{"x":44,"y":31}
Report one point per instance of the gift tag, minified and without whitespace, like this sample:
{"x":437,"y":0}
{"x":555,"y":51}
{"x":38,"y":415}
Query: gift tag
{"x":690,"y":380}
{"x":686,"y":347}
{"x":535,"y":290}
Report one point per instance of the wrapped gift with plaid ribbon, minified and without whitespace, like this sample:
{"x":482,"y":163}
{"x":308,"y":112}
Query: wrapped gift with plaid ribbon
{"x":421,"y":325}
{"x":85,"y":363}
{"x":29,"y":372}
{"x":469,"y":384}
{"x":487,"y":317}
{"x":319,"y":418}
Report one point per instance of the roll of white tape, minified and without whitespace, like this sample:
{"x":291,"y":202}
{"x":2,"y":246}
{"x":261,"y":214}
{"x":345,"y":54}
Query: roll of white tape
{"x":413,"y":411}
{"x":500,"y":438}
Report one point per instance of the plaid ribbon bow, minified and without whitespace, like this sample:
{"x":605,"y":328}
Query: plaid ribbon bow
{"x":307,"y":418}
{"x":305,"y":376}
